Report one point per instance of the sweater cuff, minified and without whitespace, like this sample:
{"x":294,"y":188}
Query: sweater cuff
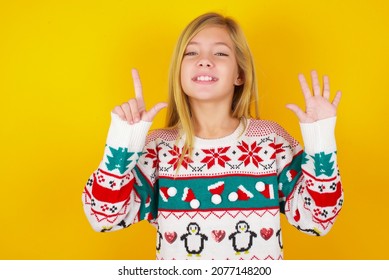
{"x":122,"y":134}
{"x":319,"y":136}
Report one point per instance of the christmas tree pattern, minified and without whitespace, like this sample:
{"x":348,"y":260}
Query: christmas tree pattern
{"x":304,"y":159}
{"x":120,"y":159}
{"x":323,"y":164}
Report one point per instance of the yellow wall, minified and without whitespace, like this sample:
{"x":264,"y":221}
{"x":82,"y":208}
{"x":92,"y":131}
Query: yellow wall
{"x":65,"y":64}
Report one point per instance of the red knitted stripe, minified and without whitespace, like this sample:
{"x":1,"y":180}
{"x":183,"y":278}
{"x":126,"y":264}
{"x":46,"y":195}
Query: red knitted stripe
{"x":111,"y":196}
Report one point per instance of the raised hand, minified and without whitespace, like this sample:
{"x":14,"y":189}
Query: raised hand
{"x":318,"y":105}
{"x":134,"y":109}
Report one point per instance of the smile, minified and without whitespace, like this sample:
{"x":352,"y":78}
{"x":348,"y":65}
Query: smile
{"x":204,"y":79}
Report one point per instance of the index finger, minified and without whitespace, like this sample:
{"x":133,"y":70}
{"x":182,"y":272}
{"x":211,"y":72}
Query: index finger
{"x":138,"y":89}
{"x":304,"y":86}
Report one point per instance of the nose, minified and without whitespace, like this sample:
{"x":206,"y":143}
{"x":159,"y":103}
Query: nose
{"x":205,"y":62}
{"x":201,"y":64}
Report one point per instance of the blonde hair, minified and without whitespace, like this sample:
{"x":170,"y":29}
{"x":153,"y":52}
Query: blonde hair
{"x":178,"y":111}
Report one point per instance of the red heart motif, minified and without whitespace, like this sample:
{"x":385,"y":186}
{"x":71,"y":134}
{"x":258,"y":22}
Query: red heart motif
{"x":218,"y":235}
{"x":170,"y":236}
{"x":266,"y":233}
{"x":296,"y":216}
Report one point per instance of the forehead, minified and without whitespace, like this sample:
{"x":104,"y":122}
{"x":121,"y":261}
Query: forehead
{"x":212,"y":35}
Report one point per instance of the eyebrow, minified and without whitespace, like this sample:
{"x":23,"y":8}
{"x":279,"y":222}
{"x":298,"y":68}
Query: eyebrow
{"x":216,"y":43}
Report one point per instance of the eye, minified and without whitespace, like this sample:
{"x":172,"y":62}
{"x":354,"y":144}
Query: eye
{"x":221,"y":54}
{"x":190,"y":53}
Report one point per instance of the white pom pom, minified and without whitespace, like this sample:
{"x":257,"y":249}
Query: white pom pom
{"x":195,"y":203}
{"x":216,"y":199}
{"x":172,"y":191}
{"x":260,"y":186}
{"x":233,"y":196}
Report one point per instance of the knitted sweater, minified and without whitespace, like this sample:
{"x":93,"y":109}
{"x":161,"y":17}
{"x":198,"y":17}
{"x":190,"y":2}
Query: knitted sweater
{"x":223,"y":202}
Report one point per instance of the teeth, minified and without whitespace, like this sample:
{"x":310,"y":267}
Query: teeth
{"x":204,"y":78}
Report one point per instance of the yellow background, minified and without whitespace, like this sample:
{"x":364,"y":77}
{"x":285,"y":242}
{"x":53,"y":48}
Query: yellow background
{"x":65,"y":64}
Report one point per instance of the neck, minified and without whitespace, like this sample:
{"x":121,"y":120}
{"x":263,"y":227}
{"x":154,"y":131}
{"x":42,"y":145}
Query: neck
{"x":212,"y":122}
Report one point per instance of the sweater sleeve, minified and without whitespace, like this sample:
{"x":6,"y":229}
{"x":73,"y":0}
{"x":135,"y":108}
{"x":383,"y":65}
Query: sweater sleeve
{"x":114,"y":196}
{"x":310,"y":188}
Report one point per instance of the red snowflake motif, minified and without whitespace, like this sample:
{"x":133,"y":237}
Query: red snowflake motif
{"x":215,"y":156}
{"x":277,"y":149}
{"x":153,"y":155}
{"x":250,"y":153}
{"x":176,"y":153}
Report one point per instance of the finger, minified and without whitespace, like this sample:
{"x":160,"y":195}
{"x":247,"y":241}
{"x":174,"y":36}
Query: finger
{"x":299,"y":113}
{"x":134,"y":110}
{"x":154,"y":111}
{"x":315,"y":83}
{"x":337,"y":97}
{"x":138,"y":90}
{"x":127,"y":112}
{"x":118,"y":111}
{"x":304,"y":86}
{"x":326,"y":87}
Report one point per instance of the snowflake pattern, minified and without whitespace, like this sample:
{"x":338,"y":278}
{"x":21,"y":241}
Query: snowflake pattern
{"x":153,"y":155}
{"x":176,"y":153}
{"x":215,"y":156}
{"x":250,"y":153}
{"x":277,"y":149}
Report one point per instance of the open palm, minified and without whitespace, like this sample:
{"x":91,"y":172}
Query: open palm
{"x":317,"y":105}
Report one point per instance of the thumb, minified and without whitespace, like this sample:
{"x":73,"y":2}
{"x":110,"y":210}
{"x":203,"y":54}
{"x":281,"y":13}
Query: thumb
{"x":299,"y":113}
{"x":150,"y":114}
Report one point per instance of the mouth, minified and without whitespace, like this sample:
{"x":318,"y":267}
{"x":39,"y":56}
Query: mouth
{"x":204,"y":78}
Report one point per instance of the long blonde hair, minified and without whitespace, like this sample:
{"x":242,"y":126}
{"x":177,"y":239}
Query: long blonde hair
{"x":178,"y":111}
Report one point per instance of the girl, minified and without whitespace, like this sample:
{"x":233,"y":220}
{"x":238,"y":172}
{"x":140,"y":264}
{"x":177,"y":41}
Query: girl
{"x":215,"y":181}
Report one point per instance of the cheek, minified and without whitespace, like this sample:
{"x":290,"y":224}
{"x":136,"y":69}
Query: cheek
{"x":181,"y":77}
{"x":184,"y":68}
{"x":184,"y":79}
{"x":236,"y":72}
{"x":231,"y":71}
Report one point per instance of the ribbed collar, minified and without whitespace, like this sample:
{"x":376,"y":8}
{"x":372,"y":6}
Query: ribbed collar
{"x":223,"y":141}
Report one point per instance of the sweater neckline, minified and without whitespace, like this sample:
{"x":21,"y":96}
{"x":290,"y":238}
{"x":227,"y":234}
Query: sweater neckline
{"x":239,"y":131}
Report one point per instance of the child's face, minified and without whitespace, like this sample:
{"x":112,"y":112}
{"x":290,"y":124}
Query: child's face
{"x":209,"y":70}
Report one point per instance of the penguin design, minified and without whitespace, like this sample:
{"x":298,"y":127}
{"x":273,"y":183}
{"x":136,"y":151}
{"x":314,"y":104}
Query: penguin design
{"x":159,"y":240}
{"x":242,"y":239}
{"x":194,"y":240}
{"x":278,"y":234}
